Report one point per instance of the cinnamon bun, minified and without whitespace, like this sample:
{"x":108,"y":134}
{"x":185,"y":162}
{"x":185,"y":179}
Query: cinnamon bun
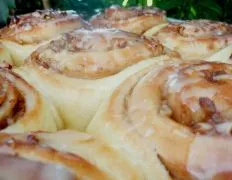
{"x":27,"y":32}
{"x":22,"y":108}
{"x":198,"y":39}
{"x":65,"y":155}
{"x":178,"y":113}
{"x":79,"y":70}
{"x":134,"y":19}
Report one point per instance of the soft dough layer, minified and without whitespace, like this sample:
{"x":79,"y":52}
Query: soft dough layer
{"x":197,"y":39}
{"x":65,"y":155}
{"x":22,"y":108}
{"x":176,"y":114}
{"x":5,"y":56}
{"x":80,"y":69}
{"x":135,"y":19}
{"x":27,"y":32}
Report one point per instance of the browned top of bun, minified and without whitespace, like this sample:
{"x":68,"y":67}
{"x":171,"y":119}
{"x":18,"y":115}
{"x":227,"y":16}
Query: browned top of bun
{"x":200,"y":28}
{"x":120,"y":13}
{"x":95,"y":40}
{"x":196,"y":39}
{"x":40,"y":25}
{"x":133,"y":19}
{"x":95,"y":53}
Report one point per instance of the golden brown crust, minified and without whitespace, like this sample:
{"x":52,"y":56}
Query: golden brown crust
{"x":183,"y":110}
{"x":94,"y":54}
{"x":196,"y":39}
{"x":134,"y":19}
{"x":40,"y":25}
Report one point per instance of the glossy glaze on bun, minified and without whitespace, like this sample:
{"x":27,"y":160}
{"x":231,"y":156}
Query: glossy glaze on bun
{"x":178,"y":112}
{"x":138,"y":85}
{"x":78,"y":70}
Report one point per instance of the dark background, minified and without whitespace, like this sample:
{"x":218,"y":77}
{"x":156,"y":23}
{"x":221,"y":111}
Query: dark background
{"x":181,"y":9}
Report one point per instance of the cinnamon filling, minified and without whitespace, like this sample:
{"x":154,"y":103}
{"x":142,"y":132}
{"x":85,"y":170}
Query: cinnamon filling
{"x":12,"y":104}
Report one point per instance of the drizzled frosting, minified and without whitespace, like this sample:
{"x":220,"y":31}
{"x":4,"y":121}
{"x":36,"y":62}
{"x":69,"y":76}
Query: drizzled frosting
{"x":199,"y":96}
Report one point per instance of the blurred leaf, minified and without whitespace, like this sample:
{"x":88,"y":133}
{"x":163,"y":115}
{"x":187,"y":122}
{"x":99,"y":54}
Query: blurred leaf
{"x":168,"y":4}
{"x":132,"y":3}
{"x":211,"y":4}
{"x":5,"y":6}
{"x":4,"y":11}
{"x":192,"y":12}
{"x":107,"y":3}
{"x":10,"y":3}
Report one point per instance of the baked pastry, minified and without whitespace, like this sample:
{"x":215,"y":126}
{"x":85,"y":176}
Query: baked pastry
{"x":5,"y":56}
{"x":178,"y":113}
{"x":197,"y":39}
{"x":65,"y":155}
{"x":155,"y":29}
{"x":133,"y":19}
{"x":27,"y":32}
{"x":22,"y":108}
{"x":80,"y":69}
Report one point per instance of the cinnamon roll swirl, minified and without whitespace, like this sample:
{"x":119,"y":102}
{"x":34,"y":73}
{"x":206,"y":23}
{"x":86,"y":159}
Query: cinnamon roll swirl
{"x":65,"y":155}
{"x":78,"y":70}
{"x":27,"y":32}
{"x":179,"y":113}
{"x":198,"y":39}
{"x":22,"y":108}
{"x":134,"y":19}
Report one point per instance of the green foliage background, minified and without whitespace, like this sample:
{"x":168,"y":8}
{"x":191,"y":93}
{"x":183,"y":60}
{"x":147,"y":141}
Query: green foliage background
{"x":180,"y":9}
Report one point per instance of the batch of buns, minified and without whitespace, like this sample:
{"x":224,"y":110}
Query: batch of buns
{"x":128,"y":95}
